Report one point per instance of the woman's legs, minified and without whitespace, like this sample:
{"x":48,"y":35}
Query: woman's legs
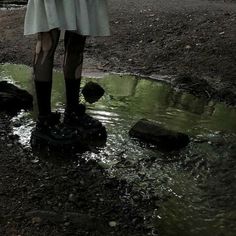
{"x":47,"y":131}
{"x":72,"y":67}
{"x":43,"y":66}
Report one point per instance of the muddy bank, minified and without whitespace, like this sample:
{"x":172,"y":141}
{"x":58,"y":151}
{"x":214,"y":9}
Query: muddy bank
{"x":151,"y":37}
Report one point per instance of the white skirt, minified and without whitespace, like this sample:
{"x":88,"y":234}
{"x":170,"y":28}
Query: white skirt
{"x":87,"y":17}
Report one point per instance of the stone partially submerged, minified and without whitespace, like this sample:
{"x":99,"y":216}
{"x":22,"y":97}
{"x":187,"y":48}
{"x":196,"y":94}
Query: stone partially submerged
{"x":164,"y":139}
{"x":13,"y":99}
{"x":92,"y":92}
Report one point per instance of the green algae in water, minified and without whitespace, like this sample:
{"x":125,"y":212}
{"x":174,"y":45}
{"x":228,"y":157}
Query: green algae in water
{"x":130,"y":98}
{"x":184,"y":207}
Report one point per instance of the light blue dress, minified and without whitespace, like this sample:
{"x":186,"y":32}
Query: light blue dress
{"x":86,"y":17}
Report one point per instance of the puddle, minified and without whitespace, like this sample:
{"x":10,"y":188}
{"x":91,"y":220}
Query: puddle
{"x":186,"y":198}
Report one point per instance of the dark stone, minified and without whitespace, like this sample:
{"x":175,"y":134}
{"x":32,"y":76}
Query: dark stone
{"x":13,"y":99}
{"x":164,"y":139}
{"x":92,"y":92}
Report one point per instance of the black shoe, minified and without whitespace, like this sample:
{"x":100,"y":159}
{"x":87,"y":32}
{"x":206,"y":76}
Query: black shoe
{"x":88,"y":126}
{"x":79,"y":119}
{"x":50,"y":132}
{"x":51,"y":120}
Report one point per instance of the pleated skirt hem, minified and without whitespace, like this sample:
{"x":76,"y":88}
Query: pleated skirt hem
{"x":86,"y":17}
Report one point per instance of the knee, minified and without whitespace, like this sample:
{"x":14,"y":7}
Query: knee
{"x":46,"y":45}
{"x":73,"y":69}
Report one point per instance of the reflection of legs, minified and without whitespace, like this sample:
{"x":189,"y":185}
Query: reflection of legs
{"x":43,"y":66}
{"x":74,"y":48}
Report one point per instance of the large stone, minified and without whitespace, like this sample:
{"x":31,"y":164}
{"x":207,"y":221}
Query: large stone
{"x":92,"y":92}
{"x":13,"y":99}
{"x":164,"y":139}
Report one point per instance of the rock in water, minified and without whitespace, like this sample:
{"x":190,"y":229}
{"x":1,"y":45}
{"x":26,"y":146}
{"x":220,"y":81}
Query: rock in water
{"x":165,"y":140}
{"x":92,"y":92}
{"x":13,"y":99}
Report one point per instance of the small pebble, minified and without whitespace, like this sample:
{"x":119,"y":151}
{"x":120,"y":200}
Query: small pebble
{"x":112,"y":224}
{"x":71,"y":197}
{"x":36,"y":220}
{"x":67,"y":224}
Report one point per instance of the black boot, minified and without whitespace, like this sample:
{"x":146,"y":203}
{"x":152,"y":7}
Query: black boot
{"x":72,"y":94}
{"x":47,"y":133}
{"x":48,"y":129}
{"x":43,"y":93}
{"x":90,"y":128}
{"x":75,"y":115}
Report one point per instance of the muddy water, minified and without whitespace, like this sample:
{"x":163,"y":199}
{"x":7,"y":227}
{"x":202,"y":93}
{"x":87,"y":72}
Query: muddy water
{"x":193,"y":191}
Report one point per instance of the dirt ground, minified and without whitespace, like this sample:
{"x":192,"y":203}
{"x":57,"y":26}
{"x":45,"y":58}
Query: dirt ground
{"x":193,"y":42}
{"x":151,"y":37}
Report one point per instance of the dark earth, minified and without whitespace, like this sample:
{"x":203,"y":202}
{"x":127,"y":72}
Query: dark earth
{"x":191,"y":41}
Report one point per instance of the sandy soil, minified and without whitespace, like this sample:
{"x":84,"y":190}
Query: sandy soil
{"x":193,"y":41}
